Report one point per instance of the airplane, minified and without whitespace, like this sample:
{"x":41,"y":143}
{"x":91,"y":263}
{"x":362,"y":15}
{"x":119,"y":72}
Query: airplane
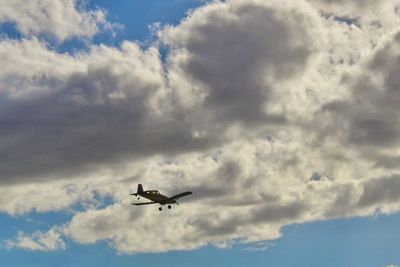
{"x":156,"y":197}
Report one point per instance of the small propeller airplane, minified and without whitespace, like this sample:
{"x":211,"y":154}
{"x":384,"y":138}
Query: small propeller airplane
{"x":156,"y":197}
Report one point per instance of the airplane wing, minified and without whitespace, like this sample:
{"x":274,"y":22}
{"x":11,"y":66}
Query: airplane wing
{"x":180,"y":195}
{"x":143,"y":203}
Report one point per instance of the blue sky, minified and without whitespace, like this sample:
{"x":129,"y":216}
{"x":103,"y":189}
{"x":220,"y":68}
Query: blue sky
{"x":96,"y":105}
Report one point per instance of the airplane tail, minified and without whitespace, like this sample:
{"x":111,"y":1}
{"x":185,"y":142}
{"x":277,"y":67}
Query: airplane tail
{"x":139,"y":189}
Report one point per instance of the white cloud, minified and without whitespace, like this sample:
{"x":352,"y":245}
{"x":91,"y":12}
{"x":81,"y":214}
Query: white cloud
{"x":267,"y":111}
{"x":38,"y":241}
{"x":62,"y":19}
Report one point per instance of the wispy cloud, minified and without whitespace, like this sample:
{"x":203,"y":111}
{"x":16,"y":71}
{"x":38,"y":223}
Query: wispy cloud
{"x":38,"y":241}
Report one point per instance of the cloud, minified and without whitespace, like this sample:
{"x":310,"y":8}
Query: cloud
{"x":271,"y":112}
{"x":352,"y":6}
{"x":233,"y":69}
{"x":369,"y":117}
{"x":38,"y":241}
{"x":61,"y":109}
{"x":94,"y":94}
{"x":26,"y":197}
{"x":62,"y":19}
{"x":380,"y":190}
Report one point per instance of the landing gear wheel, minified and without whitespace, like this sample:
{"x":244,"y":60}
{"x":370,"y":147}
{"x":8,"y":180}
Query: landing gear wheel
{"x":169,"y":207}
{"x":160,"y":209}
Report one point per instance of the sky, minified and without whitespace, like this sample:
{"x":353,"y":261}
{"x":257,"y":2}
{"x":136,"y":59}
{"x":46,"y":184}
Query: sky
{"x":280,"y":116}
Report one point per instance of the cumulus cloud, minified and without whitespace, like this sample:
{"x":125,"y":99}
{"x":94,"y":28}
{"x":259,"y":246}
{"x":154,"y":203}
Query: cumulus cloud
{"x":233,"y":69}
{"x":62,"y":19}
{"x":94,"y":94}
{"x":271,"y":112}
{"x":110,"y":97}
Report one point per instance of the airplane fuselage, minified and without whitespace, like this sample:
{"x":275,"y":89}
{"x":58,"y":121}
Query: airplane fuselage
{"x":155,"y":196}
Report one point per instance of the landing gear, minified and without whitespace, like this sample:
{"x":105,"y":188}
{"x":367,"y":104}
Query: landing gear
{"x":169,"y":207}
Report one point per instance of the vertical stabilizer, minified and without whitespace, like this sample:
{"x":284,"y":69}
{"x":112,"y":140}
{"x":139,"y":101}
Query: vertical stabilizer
{"x":139,"y":189}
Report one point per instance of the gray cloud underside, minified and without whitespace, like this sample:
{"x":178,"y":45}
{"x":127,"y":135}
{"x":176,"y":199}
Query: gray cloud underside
{"x":101,"y":113}
{"x":370,"y":118}
{"x":272,"y":113}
